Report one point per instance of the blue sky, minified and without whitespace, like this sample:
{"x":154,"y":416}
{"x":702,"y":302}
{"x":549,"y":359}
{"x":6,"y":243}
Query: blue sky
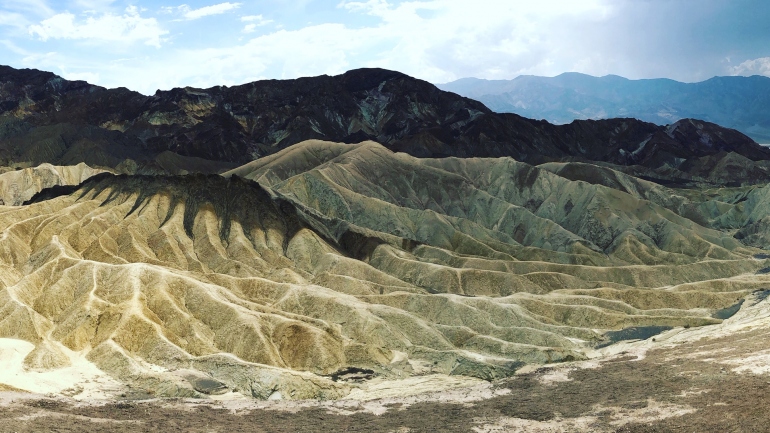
{"x":146,"y":45}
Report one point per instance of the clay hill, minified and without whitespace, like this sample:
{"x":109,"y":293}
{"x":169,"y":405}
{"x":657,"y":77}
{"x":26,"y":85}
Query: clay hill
{"x":44,"y":118}
{"x":308,"y":272}
{"x":449,"y":251}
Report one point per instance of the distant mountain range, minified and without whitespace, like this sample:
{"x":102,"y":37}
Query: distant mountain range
{"x":742,"y":103}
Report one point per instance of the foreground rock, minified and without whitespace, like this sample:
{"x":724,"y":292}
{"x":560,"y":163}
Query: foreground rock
{"x":689,"y":380}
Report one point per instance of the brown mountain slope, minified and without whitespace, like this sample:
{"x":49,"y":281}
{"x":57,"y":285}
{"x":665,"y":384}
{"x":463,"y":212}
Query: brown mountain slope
{"x":44,"y":118}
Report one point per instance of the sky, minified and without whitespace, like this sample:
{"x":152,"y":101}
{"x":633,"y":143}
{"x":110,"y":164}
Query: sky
{"x":149,"y":45}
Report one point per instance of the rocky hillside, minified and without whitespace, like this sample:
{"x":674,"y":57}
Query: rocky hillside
{"x":346,"y":262}
{"x":44,"y":118}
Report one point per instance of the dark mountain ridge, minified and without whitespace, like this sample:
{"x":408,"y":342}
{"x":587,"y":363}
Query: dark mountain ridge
{"x":44,"y":118}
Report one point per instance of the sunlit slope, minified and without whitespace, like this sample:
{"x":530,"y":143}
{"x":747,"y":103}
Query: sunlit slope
{"x":742,"y":211}
{"x":350,"y":256}
{"x":18,"y":186}
{"x":498,"y":208}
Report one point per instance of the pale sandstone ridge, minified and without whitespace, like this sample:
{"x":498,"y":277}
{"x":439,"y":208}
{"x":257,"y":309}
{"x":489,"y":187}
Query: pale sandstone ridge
{"x":352,"y":258}
{"x":18,"y":186}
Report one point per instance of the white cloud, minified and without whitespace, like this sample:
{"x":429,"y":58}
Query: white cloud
{"x":760,"y":66}
{"x":373,"y":7}
{"x":448,"y":39}
{"x":90,"y":77}
{"x":94,"y":5}
{"x":254,"y":22}
{"x":258,"y":20}
{"x":217,"y":9}
{"x":13,"y":19}
{"x":38,"y":8}
{"x":129,"y":27}
{"x":314,"y":50}
{"x":13,"y":48}
{"x":434,"y":40}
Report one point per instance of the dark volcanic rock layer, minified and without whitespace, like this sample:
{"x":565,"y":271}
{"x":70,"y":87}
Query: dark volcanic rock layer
{"x":44,"y":118}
